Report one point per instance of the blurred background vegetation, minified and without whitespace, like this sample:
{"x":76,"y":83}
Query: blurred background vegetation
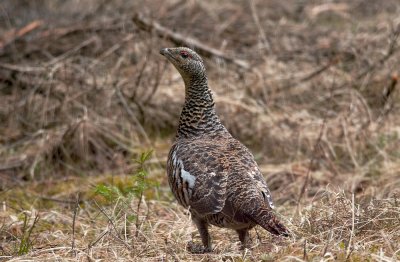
{"x":310,"y":86}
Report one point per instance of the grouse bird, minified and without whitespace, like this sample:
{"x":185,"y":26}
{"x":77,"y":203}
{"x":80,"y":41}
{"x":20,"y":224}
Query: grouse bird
{"x":210,"y":172}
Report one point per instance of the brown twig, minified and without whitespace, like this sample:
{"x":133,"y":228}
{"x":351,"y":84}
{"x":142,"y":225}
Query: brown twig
{"x":157,"y":80}
{"x":259,"y":27}
{"x":71,"y":51}
{"x":64,"y":201}
{"x":12,"y":165}
{"x":112,"y":224}
{"x":349,"y":249}
{"x":140,"y":75}
{"x":60,"y":32}
{"x":319,"y":70}
{"x":14,"y":34}
{"x":305,"y":257}
{"x":112,"y":49}
{"x":389,"y":90}
{"x":152,"y":26}
{"x":73,"y":222}
{"x":392,"y":49}
{"x":132,"y":115}
{"x":44,"y":67}
{"x":313,"y":158}
{"x":325,"y":250}
{"x":138,"y":224}
{"x":22,"y":69}
{"x":106,"y":215}
{"x":98,"y":239}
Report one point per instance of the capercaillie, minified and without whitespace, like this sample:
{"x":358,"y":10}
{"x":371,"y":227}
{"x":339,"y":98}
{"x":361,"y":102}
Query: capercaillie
{"x":210,"y":172}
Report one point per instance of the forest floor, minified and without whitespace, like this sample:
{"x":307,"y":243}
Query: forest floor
{"x":89,"y":110}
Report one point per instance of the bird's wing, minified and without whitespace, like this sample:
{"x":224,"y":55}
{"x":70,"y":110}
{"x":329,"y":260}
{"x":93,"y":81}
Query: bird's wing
{"x":197,"y":177}
{"x":263,"y":187}
{"x":253,"y":171}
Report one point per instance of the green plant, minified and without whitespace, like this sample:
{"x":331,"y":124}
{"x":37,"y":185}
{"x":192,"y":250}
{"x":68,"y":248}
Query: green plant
{"x":142,"y":183}
{"x":135,"y":187}
{"x":25,"y":243}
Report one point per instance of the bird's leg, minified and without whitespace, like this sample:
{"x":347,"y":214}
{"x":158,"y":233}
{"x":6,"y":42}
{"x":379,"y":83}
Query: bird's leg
{"x":244,"y":237}
{"x":202,"y":227}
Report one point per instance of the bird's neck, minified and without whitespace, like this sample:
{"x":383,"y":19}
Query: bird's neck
{"x":198,"y":115}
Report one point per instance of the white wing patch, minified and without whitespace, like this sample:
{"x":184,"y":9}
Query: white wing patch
{"x":183,"y":179}
{"x":269,"y":199}
{"x":190,"y":180}
{"x":187,"y":177}
{"x":263,"y":187}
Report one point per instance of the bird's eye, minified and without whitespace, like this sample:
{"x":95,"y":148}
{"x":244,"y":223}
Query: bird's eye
{"x":184,"y":54}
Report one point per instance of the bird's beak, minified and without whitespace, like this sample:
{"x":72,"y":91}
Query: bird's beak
{"x":164,"y":52}
{"x":167,"y":53}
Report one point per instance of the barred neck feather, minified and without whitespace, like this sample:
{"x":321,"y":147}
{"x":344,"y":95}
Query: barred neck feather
{"x":198,"y":115}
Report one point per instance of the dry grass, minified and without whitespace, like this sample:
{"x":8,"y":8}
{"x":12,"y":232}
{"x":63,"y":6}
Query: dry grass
{"x":85,"y":92}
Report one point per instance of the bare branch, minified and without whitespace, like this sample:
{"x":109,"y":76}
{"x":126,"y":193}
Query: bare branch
{"x":150,"y":26}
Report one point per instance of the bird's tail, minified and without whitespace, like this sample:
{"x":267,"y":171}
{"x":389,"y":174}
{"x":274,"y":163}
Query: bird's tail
{"x":268,"y":220}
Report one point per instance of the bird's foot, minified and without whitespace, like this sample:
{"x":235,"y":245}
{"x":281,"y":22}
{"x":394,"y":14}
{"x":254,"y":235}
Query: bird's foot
{"x":196,"y":248}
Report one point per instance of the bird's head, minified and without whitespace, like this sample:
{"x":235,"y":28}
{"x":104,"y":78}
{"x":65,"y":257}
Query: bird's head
{"x":186,"y":61}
